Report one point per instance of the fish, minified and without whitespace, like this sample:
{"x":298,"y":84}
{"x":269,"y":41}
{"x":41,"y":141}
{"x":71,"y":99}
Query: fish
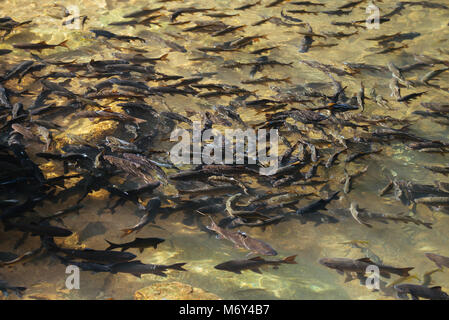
{"x":178,"y":12}
{"x":85,"y":266}
{"x":417,"y":291}
{"x":247,"y":6}
{"x":359,"y":266}
{"x":4,"y":52}
{"x":351,"y":4}
{"x":440,"y":261}
{"x":338,"y":12}
{"x":38,"y":230}
{"x":108,"y":115}
{"x":151,"y":209}
{"x":432,"y":74}
{"x":140,"y":243}
{"x":137,"y":268}
{"x":253,"y":264}
{"x":143,"y":12}
{"x":411,"y":96}
{"x":243,"y":241}
{"x":40,"y":45}
{"x":333,"y":157}
{"x":110,"y":35}
{"x":316,"y":205}
{"x":98,"y":256}
{"x":362,"y":215}
{"x":432,"y":200}
{"x":5,"y":287}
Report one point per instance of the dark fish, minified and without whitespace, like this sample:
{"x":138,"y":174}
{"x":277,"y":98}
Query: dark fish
{"x":176,"y":13}
{"x":151,"y":209}
{"x":253,"y":264}
{"x":359,"y":266}
{"x":40,"y":46}
{"x":274,"y":3}
{"x":86,"y":266}
{"x":411,"y":96}
{"x":4,"y":51}
{"x":440,"y":261}
{"x":352,"y":4}
{"x":247,"y":6}
{"x":139,"y":243}
{"x":110,"y":35}
{"x":243,"y":241}
{"x":142,"y":12}
{"x":108,"y":115}
{"x":39,"y":230}
{"x":417,"y":291}
{"x":5,"y":287}
{"x":137,"y":268}
{"x":307,"y":3}
{"x":317,"y":205}
{"x":337,"y":12}
{"x":99,"y":256}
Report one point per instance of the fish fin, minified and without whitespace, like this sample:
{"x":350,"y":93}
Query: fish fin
{"x":63,"y":44}
{"x":177,"y":266}
{"x":111,"y":245}
{"x":138,"y":275}
{"x":290,"y":260}
{"x":436,"y":288}
{"x":414,"y":297}
{"x":366,"y":259}
{"x":404,"y":271}
{"x":126,"y":232}
{"x":256,"y":270}
{"x":257,"y":259}
{"x":349,"y":277}
{"x":402,"y":296}
{"x":141,"y":250}
{"x":160,"y":273}
{"x":340,"y":272}
{"x":385,"y":274}
{"x":164,"y":57}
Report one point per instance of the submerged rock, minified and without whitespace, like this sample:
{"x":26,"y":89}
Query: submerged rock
{"x":173,"y":291}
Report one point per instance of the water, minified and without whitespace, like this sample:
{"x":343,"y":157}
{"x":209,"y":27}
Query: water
{"x":395,"y":243}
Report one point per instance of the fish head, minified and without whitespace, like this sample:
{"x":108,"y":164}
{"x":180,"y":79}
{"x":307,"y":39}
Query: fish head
{"x":328,"y":262}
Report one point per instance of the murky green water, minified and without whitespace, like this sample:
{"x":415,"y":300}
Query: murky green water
{"x":397,"y":244}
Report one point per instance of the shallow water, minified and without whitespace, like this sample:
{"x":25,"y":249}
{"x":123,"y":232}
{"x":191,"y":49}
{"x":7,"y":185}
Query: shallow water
{"x":395,"y":243}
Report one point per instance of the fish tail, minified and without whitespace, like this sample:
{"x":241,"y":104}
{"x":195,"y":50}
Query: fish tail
{"x":177,"y":266}
{"x":19,"y":291}
{"x":405,"y":271}
{"x":111,"y":245}
{"x":64,"y":44}
{"x":164,"y":57}
{"x":126,"y":232}
{"x":290,"y":260}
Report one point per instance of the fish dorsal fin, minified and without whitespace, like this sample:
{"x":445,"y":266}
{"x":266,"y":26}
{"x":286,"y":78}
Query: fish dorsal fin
{"x":437,"y":288}
{"x":367,"y":260}
{"x":257,"y":259}
{"x":42,"y":42}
